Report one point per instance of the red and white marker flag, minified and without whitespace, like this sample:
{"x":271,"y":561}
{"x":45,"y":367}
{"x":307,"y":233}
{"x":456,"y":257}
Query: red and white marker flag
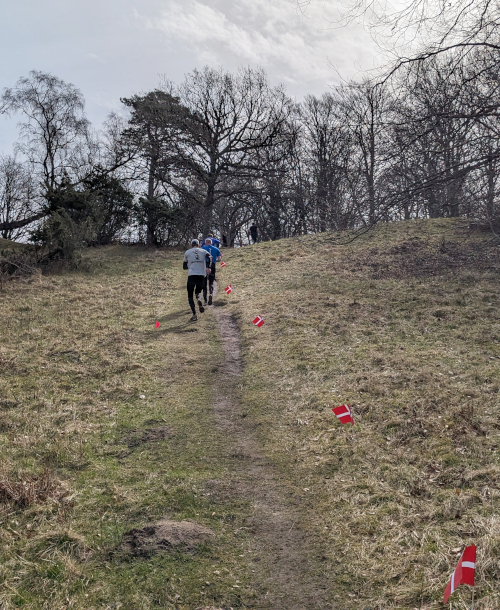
{"x":344,"y":414}
{"x":229,"y":289}
{"x":464,"y":572}
{"x":223,"y":264}
{"x":258,"y":321}
{"x":157,"y":324}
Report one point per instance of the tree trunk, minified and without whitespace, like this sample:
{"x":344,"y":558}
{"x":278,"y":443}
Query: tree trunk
{"x":150,"y":220}
{"x":208,"y":208}
{"x":490,"y":196}
{"x":371,"y":175}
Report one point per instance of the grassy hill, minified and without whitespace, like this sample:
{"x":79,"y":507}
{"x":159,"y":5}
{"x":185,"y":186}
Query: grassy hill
{"x":107,"y":424}
{"x":7,"y":244}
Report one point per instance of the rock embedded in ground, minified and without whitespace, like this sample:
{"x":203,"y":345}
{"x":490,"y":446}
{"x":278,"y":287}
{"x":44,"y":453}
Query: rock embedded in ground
{"x":164,"y":535}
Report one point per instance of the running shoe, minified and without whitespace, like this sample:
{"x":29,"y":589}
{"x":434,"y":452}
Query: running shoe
{"x":200,"y":305}
{"x":210,"y":300}
{"x":193,"y":318}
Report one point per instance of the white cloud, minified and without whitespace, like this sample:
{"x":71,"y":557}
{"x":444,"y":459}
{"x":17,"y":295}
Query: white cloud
{"x":133,"y":43}
{"x":296,"y":49}
{"x":95,"y":57}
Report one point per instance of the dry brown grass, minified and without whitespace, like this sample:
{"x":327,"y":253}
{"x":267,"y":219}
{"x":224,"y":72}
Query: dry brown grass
{"x":404,"y":325}
{"x":25,"y":489}
{"x":77,"y":351}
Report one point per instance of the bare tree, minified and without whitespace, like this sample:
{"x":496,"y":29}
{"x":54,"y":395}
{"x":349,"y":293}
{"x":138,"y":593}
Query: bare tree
{"x":427,"y":27}
{"x":53,"y":133}
{"x":327,"y":147}
{"x":364,"y":110}
{"x":230,"y":118}
{"x":18,"y":197}
{"x":54,"y":128}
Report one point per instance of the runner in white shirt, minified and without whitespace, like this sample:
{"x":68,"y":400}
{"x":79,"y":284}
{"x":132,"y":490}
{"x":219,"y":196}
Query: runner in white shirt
{"x":198,"y":263}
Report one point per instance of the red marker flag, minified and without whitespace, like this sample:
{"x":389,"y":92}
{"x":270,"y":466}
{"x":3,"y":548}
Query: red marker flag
{"x":464,"y":572}
{"x":229,"y":289}
{"x":258,"y":321}
{"x":223,"y":264}
{"x":157,"y":324}
{"x":344,"y":414}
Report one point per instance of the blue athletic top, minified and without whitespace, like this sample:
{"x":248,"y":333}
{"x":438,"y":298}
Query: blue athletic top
{"x":215,"y":242}
{"x":215,"y":252}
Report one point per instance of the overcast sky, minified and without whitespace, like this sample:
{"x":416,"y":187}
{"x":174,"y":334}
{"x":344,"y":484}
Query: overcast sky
{"x":113,"y":48}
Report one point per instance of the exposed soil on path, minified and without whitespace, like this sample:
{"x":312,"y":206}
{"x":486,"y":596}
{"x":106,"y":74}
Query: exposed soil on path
{"x":286,"y":561}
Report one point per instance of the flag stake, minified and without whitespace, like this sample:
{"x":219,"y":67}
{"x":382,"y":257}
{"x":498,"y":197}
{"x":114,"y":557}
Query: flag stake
{"x":472,"y":607}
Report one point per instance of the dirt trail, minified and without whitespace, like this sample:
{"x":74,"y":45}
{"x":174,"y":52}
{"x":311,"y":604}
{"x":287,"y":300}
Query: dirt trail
{"x":287,"y":563}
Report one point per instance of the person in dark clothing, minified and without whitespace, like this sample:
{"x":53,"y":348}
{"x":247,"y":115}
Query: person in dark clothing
{"x":254,"y":233}
{"x":198,"y":263}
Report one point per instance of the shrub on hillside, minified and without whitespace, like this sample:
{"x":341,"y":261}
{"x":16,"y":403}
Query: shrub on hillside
{"x":18,"y":263}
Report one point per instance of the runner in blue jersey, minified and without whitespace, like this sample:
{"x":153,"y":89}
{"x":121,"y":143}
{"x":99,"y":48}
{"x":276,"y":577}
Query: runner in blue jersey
{"x":215,"y":241}
{"x":216,"y":255}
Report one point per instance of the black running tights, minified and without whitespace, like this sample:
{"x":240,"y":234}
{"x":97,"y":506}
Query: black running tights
{"x":194,"y":284}
{"x":211,"y":279}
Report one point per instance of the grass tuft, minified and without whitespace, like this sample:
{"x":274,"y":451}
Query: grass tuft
{"x":25,"y":489}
